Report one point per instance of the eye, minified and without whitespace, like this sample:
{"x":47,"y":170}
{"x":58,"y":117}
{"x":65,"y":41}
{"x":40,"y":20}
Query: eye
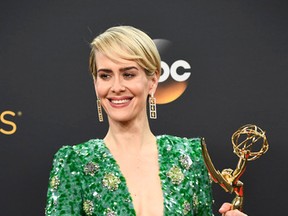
{"x":104,"y":76}
{"x":128,"y":75}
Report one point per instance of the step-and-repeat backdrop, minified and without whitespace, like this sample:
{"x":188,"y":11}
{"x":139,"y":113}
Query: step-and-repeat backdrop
{"x":224,"y":64}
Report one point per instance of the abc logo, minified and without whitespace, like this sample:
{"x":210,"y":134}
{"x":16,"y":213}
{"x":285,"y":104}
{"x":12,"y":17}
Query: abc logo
{"x":174,"y":78}
{"x":10,"y":126}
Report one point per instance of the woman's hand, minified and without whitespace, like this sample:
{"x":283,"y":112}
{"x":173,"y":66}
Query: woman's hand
{"x":226,"y":210}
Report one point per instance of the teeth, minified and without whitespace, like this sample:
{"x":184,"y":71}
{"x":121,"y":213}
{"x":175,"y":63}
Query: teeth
{"x":119,"y":101}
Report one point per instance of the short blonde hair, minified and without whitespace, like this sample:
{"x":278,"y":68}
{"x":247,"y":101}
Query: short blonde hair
{"x":128,"y":43}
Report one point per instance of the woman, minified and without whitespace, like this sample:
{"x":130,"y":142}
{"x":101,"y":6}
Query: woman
{"x":130,"y":171}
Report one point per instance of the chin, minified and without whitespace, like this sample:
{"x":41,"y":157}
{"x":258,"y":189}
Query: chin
{"x":121,"y":119}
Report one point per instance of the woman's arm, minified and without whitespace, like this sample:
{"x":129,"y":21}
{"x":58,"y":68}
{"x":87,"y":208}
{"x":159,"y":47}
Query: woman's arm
{"x":64,"y":191}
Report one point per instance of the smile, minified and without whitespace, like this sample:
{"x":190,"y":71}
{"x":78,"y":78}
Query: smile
{"x":120,"y":101}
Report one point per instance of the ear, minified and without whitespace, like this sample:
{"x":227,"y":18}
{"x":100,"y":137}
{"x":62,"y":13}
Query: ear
{"x":95,"y":86}
{"x":153,"y":83}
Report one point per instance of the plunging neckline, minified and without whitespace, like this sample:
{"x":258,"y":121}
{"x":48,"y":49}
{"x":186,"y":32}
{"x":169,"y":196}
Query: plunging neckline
{"x":160,"y":170}
{"x":86,"y":179}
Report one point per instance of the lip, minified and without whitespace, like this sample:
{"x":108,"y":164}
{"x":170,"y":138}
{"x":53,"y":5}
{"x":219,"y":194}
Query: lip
{"x":119,"y":102}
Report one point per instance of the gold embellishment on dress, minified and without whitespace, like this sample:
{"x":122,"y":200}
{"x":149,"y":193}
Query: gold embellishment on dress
{"x":88,"y":207}
{"x":109,"y":212}
{"x":55,"y":182}
{"x":91,"y":168}
{"x":185,"y":161}
{"x":111,"y":181}
{"x":176,"y":175}
{"x":195,"y":200}
{"x":186,"y":207}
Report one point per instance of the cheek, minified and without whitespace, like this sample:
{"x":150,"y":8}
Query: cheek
{"x":140,"y":88}
{"x":100,"y":89}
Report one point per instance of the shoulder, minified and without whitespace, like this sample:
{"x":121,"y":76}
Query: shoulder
{"x":174,"y":138}
{"x":88,"y":146}
{"x":179,"y":142}
{"x":78,"y":151}
{"x":174,"y":145}
{"x":81,"y":147}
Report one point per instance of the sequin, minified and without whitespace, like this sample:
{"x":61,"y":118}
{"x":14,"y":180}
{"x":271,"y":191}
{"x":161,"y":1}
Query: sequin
{"x":55,"y":182}
{"x":176,"y":175}
{"x":185,"y":161}
{"x":195,"y":200}
{"x":186,"y":207}
{"x":97,"y":195}
{"x":127,"y":200}
{"x":88,"y":207}
{"x":111,"y":181}
{"x":107,"y":188}
{"x":109,"y":212}
{"x":91,"y":168}
{"x":169,"y":147}
{"x":55,"y":199}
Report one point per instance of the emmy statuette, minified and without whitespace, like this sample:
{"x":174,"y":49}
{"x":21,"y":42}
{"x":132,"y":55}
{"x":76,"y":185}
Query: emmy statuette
{"x":249,"y":143}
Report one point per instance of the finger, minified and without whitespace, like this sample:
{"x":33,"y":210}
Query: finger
{"x":234,"y":213}
{"x":225,"y":207}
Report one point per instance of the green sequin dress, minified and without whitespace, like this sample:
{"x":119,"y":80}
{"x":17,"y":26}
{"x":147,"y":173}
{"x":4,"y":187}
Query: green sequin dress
{"x":86,"y":180}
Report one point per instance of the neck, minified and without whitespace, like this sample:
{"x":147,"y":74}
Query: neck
{"x":130,"y":137}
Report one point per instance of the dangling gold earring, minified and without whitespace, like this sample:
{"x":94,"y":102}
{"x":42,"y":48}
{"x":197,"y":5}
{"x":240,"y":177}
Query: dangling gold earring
{"x":152,"y":107}
{"x":99,"y":108}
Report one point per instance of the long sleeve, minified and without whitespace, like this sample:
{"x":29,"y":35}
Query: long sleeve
{"x":202,"y":197}
{"x":64,"y":196}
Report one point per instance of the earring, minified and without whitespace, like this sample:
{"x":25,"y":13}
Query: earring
{"x":99,"y":108}
{"x":152,"y":107}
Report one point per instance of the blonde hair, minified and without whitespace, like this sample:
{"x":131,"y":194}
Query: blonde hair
{"x":128,"y":43}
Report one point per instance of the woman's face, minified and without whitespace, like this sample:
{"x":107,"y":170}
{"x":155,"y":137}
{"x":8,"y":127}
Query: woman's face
{"x":122,"y":87}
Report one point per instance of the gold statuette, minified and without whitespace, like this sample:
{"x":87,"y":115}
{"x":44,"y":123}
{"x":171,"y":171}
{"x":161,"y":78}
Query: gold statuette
{"x":249,"y":143}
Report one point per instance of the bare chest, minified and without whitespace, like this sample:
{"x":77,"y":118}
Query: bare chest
{"x":143,"y":182}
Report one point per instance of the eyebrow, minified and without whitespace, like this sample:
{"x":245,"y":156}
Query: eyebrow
{"x":121,"y":69}
{"x":104,"y":70}
{"x":128,"y":68}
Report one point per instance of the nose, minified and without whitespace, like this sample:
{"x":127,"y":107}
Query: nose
{"x":117,"y":85}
